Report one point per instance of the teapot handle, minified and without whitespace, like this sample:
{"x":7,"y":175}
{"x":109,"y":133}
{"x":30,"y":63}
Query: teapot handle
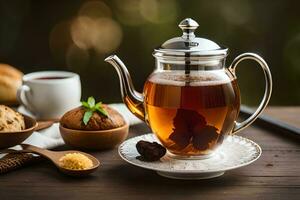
{"x":238,"y":126}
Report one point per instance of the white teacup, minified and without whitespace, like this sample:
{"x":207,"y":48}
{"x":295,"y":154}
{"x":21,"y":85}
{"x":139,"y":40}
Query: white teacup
{"x":49,"y":94}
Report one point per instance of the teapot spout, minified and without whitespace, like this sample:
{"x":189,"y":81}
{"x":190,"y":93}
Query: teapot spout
{"x":132,"y":99}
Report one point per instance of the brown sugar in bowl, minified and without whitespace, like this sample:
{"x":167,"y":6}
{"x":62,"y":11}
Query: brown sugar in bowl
{"x":105,"y":136}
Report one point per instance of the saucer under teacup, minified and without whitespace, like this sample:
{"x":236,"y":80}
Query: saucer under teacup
{"x":235,"y":152}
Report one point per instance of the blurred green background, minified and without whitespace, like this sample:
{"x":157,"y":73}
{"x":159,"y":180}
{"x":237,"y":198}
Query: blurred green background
{"x":76,"y":35}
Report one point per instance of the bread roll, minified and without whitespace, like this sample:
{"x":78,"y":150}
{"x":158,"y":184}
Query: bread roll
{"x":10,"y":120}
{"x":73,"y":120}
{"x":10,"y":81}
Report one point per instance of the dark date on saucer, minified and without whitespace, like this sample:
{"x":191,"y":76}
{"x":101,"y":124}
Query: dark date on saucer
{"x":150,"y":151}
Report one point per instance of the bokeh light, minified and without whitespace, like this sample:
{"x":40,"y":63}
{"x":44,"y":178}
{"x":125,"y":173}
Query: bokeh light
{"x":92,"y":29}
{"x":235,"y":12}
{"x":138,"y":12}
{"x":128,"y":12}
{"x":95,"y":9}
{"x":109,"y":36}
{"x":83,"y":32}
{"x":159,"y":12}
{"x":101,"y":34}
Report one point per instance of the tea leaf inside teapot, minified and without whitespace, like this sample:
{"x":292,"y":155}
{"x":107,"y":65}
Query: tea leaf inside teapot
{"x":191,"y":127}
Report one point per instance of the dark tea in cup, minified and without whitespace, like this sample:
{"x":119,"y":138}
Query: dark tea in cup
{"x":51,"y":77}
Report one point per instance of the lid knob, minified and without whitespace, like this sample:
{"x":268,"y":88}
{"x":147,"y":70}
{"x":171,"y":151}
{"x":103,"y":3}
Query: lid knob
{"x":188,"y":26}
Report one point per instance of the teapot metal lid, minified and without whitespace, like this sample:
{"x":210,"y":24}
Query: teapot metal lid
{"x":190,"y":46}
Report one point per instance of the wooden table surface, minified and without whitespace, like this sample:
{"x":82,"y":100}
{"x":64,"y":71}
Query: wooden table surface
{"x":276,"y":175}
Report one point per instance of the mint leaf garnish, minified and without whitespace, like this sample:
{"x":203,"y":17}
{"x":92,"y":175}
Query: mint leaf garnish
{"x":102,"y":111}
{"x":87,"y":116}
{"x":90,"y":107}
{"x":91,"y":102}
{"x":85,"y":104}
{"x":98,"y":105}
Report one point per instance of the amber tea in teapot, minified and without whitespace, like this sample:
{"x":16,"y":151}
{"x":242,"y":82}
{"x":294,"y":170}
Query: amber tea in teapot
{"x":191,"y":117}
{"x":191,"y":100}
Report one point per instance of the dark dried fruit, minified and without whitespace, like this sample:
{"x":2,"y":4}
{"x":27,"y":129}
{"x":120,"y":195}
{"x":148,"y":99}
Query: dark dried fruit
{"x":150,"y":151}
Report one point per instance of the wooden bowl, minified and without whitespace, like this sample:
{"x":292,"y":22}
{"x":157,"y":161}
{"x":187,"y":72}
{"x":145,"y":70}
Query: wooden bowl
{"x":94,"y":140}
{"x":10,"y":139}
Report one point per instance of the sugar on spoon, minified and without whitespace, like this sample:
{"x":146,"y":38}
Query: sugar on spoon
{"x":55,"y":156}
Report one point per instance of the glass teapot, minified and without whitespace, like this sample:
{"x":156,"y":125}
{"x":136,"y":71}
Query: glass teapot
{"x":191,"y":101}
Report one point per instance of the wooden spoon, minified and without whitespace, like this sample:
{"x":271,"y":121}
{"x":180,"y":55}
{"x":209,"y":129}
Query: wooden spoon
{"x":54,"y":156}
